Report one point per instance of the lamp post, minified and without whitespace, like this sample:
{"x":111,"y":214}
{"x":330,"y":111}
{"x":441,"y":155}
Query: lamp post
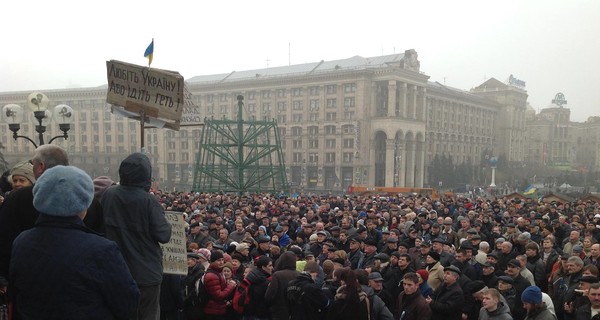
{"x":38,"y":103}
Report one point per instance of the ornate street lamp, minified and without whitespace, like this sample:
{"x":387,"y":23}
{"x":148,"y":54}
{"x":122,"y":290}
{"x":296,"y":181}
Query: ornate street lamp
{"x":38,"y":103}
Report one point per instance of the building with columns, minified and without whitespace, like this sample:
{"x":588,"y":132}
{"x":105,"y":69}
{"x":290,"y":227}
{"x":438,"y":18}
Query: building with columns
{"x":374,"y":121}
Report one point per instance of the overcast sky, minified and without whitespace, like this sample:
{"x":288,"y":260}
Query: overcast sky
{"x":552,"y":45}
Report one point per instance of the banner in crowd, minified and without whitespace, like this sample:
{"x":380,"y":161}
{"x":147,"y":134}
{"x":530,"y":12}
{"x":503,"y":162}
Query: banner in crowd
{"x":174,"y":252}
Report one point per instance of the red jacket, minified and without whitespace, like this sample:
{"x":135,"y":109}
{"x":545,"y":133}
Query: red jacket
{"x":218,"y":289}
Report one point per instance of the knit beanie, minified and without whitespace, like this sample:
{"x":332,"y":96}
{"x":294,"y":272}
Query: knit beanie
{"x":204,"y":253}
{"x":434,"y":255}
{"x":24,"y":169}
{"x":63,"y":191}
{"x":216,"y":255}
{"x":532,"y":295}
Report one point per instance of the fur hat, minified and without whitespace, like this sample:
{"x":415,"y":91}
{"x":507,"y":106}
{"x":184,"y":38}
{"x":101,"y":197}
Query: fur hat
{"x":100,"y":184}
{"x":532,"y":295}
{"x":24,"y":169}
{"x":63,"y":191}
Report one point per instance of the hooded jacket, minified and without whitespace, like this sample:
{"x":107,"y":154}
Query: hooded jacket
{"x":135,"y":220}
{"x":501,"y":313}
{"x":258,"y":306}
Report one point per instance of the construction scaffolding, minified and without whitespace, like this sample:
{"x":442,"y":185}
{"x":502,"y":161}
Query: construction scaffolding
{"x":240,"y":156}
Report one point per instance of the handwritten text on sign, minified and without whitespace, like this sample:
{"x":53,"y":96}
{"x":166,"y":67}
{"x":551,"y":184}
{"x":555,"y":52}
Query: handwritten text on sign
{"x":174,"y":252}
{"x":154,"y":89}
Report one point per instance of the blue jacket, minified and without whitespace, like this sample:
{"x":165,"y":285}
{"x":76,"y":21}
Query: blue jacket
{"x":61,"y":270}
{"x":135,"y":220}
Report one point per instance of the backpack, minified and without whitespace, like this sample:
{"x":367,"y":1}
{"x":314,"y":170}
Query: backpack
{"x":241,"y":297}
{"x":196,"y":299}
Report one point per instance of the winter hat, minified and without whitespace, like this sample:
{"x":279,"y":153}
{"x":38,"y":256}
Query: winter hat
{"x":63,"y":191}
{"x":204,"y":253}
{"x":100,"y":184}
{"x":434,"y":255}
{"x":423,"y":273}
{"x":532,"y":295}
{"x":24,"y":169}
{"x":216,"y":255}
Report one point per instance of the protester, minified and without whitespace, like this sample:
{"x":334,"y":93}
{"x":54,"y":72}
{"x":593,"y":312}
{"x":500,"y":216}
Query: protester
{"x":59,"y":268}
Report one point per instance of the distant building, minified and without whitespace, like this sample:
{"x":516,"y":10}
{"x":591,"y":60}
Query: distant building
{"x":365,"y":121}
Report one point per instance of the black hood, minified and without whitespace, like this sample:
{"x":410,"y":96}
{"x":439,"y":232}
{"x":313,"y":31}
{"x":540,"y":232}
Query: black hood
{"x":136,"y":171}
{"x":257,"y":276}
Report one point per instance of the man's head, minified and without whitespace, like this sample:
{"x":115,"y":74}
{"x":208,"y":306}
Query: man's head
{"x":594,"y":295}
{"x":217,"y":259}
{"x":595,"y":251}
{"x":410,"y":283}
{"x":531,"y":297}
{"x":46,"y":157}
{"x":265,"y":263}
{"x":513,"y":268}
{"x":376,"y":281}
{"x":451,"y":275}
{"x":506,"y":247}
{"x":491,"y":298}
{"x":574,"y":265}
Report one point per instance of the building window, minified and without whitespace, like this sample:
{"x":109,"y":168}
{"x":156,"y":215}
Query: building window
{"x":172,"y":156}
{"x":210,"y":109}
{"x":330,"y":130}
{"x":313,"y":130}
{"x":297,"y":105}
{"x":348,"y":115}
{"x":210,"y":98}
{"x":330,"y":157}
{"x":297,"y":118}
{"x":297,"y":144}
{"x":314,"y":117}
{"x":330,"y":143}
{"x":266,"y":94}
{"x":348,"y":143}
{"x":331,"y":103}
{"x":313,"y":157}
{"x":297,"y":92}
{"x":349,"y":102}
{"x":296,"y":131}
{"x":184,"y":144}
{"x":348,"y":157}
{"x":331,"y":89}
{"x":281,"y":93}
{"x":281,"y":106}
{"x":251,"y":95}
{"x":314,"y":91}
{"x":314,"y":105}
{"x":313,"y":144}
{"x":297,"y":157}
{"x":350,"y":87}
{"x":348,"y":128}
{"x":223,"y":98}
{"x":251,"y":107}
{"x":171,"y":144}
{"x":223,"y":109}
{"x":185,"y":156}
{"x":282,"y":131}
{"x":282,"y":118}
{"x":330,"y":116}
{"x":266,"y":107}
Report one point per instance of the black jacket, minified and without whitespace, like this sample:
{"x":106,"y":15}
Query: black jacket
{"x":135,"y":220}
{"x":447,"y":302}
{"x":305,"y":299}
{"x":258,"y":306}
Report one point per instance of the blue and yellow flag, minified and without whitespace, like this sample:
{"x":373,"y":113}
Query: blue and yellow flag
{"x":529,"y":190}
{"x":149,"y":52}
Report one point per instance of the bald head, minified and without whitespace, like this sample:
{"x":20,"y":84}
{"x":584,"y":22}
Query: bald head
{"x":48,"y":156}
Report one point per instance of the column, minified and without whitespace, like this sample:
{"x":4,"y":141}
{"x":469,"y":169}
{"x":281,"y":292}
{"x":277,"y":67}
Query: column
{"x":420,"y":164}
{"x":402,"y":164}
{"x":410,"y":164}
{"x":373,"y":108}
{"x":391,"y":107}
{"x":371,"y":165}
{"x":414,"y":101}
{"x":423,"y":105}
{"x":390,"y":144}
{"x":403,"y":93}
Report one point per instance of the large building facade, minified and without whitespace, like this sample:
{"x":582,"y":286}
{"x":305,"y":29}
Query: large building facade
{"x":359,"y":121}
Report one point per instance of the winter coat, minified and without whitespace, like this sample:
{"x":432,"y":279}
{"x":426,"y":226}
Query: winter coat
{"x":541,"y":313}
{"x":341,"y":310}
{"x":135,"y":220}
{"x":585,"y":313}
{"x":447,"y":302}
{"x":258,"y":306}
{"x":536,"y":266}
{"x":355,"y":258}
{"x":218,"y":289}
{"x":379,"y":311}
{"x":436,"y":276}
{"x":62,"y":270}
{"x":413,"y":307}
{"x":305,"y":299}
{"x":275,"y":294}
{"x":501,"y":313}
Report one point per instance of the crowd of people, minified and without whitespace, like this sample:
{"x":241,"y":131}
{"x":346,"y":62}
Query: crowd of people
{"x":371,"y":256}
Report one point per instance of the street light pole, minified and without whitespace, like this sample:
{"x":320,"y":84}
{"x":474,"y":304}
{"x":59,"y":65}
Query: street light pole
{"x":38,"y":103}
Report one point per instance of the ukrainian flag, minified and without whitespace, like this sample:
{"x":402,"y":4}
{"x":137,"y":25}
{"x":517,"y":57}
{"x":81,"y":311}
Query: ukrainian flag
{"x":529,"y":190}
{"x":149,"y":52}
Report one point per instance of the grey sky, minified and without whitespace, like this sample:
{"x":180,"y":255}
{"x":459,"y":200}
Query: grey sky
{"x":552,"y":45}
